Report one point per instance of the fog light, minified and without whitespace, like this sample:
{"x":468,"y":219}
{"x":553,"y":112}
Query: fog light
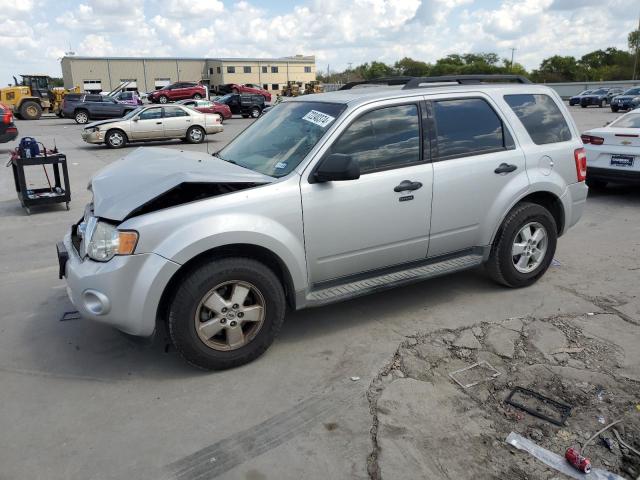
{"x":96,"y":302}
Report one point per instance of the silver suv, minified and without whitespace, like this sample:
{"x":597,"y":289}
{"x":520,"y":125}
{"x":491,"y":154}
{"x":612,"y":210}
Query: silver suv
{"x":326,"y":198}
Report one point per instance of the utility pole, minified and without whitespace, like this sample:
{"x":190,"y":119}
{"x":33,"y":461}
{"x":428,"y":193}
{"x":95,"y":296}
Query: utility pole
{"x":511,"y":65}
{"x":349,"y":71}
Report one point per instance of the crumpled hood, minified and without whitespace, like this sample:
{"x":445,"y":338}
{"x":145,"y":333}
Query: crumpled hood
{"x":148,"y":172}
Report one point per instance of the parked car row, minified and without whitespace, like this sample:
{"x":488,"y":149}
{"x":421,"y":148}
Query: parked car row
{"x":617,"y":98}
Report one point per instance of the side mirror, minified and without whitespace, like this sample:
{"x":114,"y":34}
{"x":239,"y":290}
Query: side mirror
{"x":136,"y":119}
{"x":337,"y":167}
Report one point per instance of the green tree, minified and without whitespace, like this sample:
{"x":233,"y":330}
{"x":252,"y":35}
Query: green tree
{"x":413,"y":68}
{"x":557,"y":69}
{"x":634,"y":40}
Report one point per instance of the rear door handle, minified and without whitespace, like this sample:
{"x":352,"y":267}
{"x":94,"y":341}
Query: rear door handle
{"x":407,"y":185}
{"x":505,"y":168}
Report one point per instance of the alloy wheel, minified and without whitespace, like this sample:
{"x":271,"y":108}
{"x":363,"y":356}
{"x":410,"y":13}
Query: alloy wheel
{"x":195,"y":135}
{"x":230,"y":315}
{"x":529,"y":247}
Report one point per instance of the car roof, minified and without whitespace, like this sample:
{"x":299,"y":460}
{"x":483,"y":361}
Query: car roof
{"x":370,"y":93}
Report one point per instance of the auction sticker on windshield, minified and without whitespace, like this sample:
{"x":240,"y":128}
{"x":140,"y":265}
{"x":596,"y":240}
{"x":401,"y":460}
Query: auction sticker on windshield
{"x":318,"y":118}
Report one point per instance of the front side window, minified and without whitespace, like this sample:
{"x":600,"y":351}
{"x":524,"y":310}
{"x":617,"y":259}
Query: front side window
{"x":384,"y":138}
{"x":151,"y":114}
{"x":633,"y":91}
{"x":172,"y":112}
{"x":468,"y":126}
{"x":276,"y":143}
{"x":541,"y":117}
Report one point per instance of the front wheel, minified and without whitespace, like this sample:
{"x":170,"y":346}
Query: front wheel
{"x":524,"y":246}
{"x":195,"y":135}
{"x":601,"y":104}
{"x":226,"y":313}
{"x":614,"y":109}
{"x":220,"y":117}
{"x":115,"y":139}
{"x":81,"y":117}
{"x":163,"y":99}
{"x":197,"y":96}
{"x":255,"y":112}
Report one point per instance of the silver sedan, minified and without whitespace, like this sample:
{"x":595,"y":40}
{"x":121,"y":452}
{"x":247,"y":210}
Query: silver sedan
{"x":153,"y":123}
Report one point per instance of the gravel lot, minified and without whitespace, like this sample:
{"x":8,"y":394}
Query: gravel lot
{"x":80,"y":400}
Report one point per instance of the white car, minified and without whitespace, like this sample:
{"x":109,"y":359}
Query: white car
{"x":153,"y":122}
{"x":613,"y":151}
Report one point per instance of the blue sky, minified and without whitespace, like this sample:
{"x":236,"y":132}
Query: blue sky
{"x":36,"y":33}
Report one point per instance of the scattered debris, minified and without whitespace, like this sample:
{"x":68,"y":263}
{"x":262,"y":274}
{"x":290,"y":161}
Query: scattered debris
{"x":355,"y":379}
{"x":555,"y":262}
{"x":601,"y":419}
{"x":554,"y":460}
{"x":568,"y":350}
{"x":484,"y":366}
{"x":539,"y":406}
{"x":578,"y":461}
{"x":621,"y":442}
{"x":73,"y":315}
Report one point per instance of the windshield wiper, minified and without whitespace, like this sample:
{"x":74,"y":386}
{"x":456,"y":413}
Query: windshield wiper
{"x":217,"y":155}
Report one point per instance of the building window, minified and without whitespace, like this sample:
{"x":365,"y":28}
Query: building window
{"x":218,"y":69}
{"x":307,"y":69}
{"x":246,"y":69}
{"x":265,"y":86}
{"x":274,"y":69}
{"x":231,"y":69}
{"x":264,"y":69}
{"x":210,"y":70}
{"x":275,"y":86}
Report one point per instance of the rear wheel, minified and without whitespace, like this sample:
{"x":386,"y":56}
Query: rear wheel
{"x":226,"y":313}
{"x":30,"y":110}
{"x":197,"y":96}
{"x":115,"y":139}
{"x":255,"y":112}
{"x":583,"y":105}
{"x":81,"y":117}
{"x":163,"y":99}
{"x":220,"y":117}
{"x":601,"y":104}
{"x":524,"y":246}
{"x":195,"y":134}
{"x":614,"y":109}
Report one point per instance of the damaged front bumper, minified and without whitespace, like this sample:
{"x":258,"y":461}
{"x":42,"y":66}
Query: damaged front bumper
{"x":95,"y":136}
{"x":124,"y":292}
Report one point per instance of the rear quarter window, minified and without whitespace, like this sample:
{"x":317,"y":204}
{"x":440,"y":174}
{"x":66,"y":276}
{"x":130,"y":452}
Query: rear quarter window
{"x":541,"y":117}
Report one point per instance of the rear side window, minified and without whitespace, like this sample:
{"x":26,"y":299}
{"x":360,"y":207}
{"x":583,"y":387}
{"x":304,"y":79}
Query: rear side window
{"x":541,"y":117}
{"x":93,"y":98}
{"x":170,"y":112}
{"x":468,"y":126}
{"x":384,"y":138}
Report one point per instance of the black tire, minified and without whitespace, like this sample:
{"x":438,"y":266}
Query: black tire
{"x":601,"y":104}
{"x":583,"y":105}
{"x":500,"y":265}
{"x":244,"y":115}
{"x":81,"y":116}
{"x":255,"y":112}
{"x":196,"y":134}
{"x":163,"y":99}
{"x":115,"y":138}
{"x":595,"y":184}
{"x":614,"y":109}
{"x":191,"y":291}
{"x":220,"y":117}
{"x":197,"y":96}
{"x":30,"y":110}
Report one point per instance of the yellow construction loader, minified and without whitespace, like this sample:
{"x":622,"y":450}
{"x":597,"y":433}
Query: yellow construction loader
{"x":33,"y":95}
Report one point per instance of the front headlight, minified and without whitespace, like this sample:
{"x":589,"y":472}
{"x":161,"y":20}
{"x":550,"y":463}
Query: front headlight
{"x":106,"y":241}
{"x":91,"y":129}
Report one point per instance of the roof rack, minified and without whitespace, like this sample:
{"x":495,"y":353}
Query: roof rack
{"x":417,"y":82}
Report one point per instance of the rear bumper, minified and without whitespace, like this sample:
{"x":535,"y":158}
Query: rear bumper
{"x":574,"y":201}
{"x":614,"y":175}
{"x":8,"y":136}
{"x":214,"y":129}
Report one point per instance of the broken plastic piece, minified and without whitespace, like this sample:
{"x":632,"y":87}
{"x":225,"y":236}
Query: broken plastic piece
{"x":355,"y":379}
{"x":544,"y":407}
{"x":482,"y":365}
{"x":556,"y":461}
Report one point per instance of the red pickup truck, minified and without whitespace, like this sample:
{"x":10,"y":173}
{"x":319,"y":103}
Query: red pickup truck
{"x":178,"y":91}
{"x":244,"y":88}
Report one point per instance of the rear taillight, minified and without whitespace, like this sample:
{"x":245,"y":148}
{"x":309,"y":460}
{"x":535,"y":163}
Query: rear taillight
{"x":7,"y":117}
{"x":580,"y":156}
{"x":592,"y":140}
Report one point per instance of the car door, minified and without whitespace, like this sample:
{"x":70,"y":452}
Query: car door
{"x":111,"y":108}
{"x":176,"y":121}
{"x":148,"y":125}
{"x":382,"y":218}
{"x":477,"y":171}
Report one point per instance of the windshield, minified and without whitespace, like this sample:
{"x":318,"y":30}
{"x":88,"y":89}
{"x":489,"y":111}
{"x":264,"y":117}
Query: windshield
{"x":586,"y":92}
{"x":630,"y":120}
{"x":276,"y":143}
{"x":599,"y":91}
{"x":132,"y":113}
{"x":633,"y":91}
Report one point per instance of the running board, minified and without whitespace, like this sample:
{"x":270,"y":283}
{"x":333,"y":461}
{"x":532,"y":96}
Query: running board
{"x":373,"y":284}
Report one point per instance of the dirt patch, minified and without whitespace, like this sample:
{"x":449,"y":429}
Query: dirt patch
{"x":426,"y":424}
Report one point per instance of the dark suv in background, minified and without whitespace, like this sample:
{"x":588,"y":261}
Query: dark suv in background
{"x":85,"y":107}
{"x":245,"y":104}
{"x":178,"y":91}
{"x":597,"y":97}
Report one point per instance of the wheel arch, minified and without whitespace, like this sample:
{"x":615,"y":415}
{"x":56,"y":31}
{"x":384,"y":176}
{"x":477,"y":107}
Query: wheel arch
{"x":544,"y":198}
{"x":256,"y":252}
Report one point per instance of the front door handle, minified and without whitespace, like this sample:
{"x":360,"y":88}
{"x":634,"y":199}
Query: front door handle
{"x":158,"y":123}
{"x":407,"y":185}
{"x":505,"y":168}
